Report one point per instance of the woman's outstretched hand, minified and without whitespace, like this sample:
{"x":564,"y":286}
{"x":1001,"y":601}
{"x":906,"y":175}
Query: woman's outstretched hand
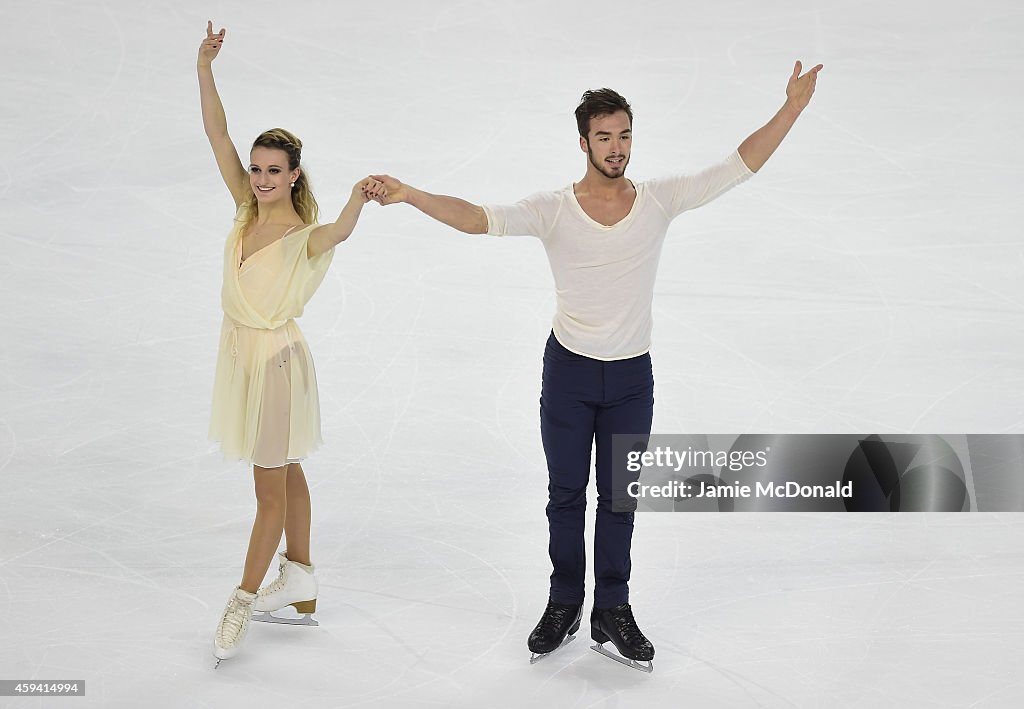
{"x":368,"y":188}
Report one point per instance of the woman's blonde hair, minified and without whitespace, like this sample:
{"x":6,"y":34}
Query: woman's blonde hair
{"x":302,"y":194}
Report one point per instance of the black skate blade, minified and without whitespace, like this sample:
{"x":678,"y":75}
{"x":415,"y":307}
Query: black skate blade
{"x":534,"y":657}
{"x":268,"y":617}
{"x":599,"y":647}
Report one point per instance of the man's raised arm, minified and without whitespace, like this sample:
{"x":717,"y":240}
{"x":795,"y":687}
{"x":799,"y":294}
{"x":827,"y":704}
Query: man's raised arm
{"x":756,"y":149}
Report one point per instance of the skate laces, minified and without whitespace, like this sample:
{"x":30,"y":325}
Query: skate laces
{"x":554,"y":615}
{"x":235,"y":618}
{"x":626,"y":625}
{"x":277,"y":583}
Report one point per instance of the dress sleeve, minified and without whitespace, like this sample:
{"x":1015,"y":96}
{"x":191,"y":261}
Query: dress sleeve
{"x":678,"y":193}
{"x":306,"y":273}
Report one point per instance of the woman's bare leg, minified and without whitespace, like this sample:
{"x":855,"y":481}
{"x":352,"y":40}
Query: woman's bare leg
{"x":271,"y":509}
{"x":297,"y":521}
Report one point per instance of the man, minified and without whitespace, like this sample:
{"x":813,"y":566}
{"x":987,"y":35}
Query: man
{"x":603,"y":238}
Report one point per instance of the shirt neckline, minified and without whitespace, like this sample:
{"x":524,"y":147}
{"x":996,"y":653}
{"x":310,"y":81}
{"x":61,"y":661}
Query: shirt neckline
{"x":594,"y":222}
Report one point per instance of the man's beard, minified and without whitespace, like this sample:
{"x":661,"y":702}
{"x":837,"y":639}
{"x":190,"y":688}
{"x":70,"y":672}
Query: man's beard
{"x":605,"y":170}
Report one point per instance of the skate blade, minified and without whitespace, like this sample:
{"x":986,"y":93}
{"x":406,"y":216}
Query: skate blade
{"x":649,"y":667}
{"x":534,"y":657}
{"x":267,"y":617}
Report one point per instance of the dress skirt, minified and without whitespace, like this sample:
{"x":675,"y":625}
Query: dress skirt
{"x":266,"y":410}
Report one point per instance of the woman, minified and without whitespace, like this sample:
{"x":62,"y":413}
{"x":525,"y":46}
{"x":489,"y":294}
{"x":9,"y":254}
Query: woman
{"x":265,"y":405}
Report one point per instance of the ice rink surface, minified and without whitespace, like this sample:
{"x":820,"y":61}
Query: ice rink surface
{"x":867,"y":280}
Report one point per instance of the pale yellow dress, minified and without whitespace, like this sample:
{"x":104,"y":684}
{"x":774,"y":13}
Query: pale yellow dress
{"x":265,"y":405}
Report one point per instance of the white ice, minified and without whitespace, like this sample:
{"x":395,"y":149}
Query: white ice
{"x":866,"y":281}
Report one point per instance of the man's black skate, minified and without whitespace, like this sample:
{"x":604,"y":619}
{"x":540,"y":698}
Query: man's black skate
{"x":617,"y":624}
{"x":559,"y":620}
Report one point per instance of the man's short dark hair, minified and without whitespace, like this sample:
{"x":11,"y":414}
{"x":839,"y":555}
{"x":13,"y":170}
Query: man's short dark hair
{"x":599,"y":102}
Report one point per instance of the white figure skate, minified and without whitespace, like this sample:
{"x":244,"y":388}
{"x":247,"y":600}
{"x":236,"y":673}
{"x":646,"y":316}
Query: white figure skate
{"x":233,"y":626}
{"x":294,"y":586}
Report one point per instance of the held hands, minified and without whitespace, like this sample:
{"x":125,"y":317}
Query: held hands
{"x":800,"y":88}
{"x":394,"y":190}
{"x":210,"y":47}
{"x":370,"y":188}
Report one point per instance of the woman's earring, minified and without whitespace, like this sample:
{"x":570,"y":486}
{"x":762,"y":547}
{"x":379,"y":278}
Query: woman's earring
{"x":292,"y":184}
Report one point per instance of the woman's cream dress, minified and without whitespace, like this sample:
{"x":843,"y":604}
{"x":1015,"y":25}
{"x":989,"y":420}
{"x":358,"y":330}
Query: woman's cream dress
{"x":265,"y":405}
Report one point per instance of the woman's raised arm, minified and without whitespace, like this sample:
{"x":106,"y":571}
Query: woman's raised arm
{"x":214,"y":121}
